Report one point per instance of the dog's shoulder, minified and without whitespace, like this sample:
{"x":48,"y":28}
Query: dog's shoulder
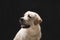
{"x":21,"y":33}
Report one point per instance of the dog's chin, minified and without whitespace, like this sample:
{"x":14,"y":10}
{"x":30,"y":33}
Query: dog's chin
{"x":25,"y":26}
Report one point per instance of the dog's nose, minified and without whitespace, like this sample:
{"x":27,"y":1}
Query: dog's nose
{"x":21,"y":19}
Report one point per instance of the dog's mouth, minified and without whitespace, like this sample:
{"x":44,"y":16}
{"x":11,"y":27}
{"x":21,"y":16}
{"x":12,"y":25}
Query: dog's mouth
{"x":24,"y":25}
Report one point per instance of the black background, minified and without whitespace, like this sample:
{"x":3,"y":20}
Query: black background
{"x":11,"y":11}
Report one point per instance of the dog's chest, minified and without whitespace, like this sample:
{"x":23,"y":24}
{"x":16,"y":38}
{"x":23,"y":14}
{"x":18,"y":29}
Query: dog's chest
{"x":33,"y":33}
{"x":29,"y":34}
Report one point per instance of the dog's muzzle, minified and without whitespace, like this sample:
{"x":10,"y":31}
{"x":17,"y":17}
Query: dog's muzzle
{"x":23,"y":23}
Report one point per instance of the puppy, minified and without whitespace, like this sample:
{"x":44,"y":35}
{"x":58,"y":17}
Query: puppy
{"x":30,"y":28}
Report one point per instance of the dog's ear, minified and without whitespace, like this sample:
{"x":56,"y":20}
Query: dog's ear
{"x":37,"y":20}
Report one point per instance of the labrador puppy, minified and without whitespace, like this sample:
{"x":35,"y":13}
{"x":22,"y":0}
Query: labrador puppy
{"x":30,"y":27}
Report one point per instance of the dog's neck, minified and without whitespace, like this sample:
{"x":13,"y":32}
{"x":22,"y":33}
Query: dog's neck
{"x":27,"y":26}
{"x":31,"y":26}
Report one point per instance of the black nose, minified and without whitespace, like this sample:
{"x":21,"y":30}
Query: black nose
{"x":21,"y":19}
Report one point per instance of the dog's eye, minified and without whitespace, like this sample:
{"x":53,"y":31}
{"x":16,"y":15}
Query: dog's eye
{"x":29,"y":16}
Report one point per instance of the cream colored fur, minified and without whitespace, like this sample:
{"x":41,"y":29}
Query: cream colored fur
{"x":32,"y":33}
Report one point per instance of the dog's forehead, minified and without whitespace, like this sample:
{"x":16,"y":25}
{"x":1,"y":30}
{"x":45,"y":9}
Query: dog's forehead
{"x":32,"y":14}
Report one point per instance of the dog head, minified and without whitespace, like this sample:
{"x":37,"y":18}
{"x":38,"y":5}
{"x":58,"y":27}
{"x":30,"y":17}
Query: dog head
{"x":30,"y":18}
